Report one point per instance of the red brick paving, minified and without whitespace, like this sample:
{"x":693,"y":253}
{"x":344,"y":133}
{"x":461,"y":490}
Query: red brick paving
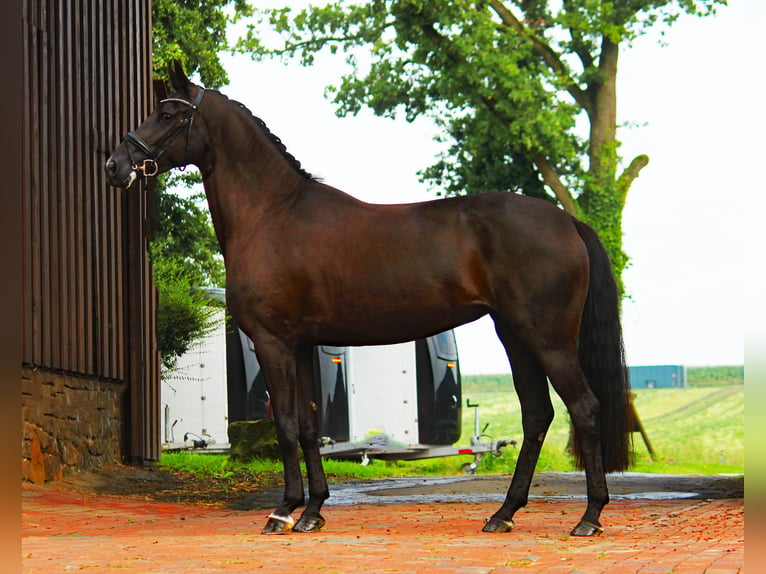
{"x":64,"y":532}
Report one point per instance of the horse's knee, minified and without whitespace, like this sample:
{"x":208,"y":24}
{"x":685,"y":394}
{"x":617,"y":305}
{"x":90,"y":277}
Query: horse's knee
{"x":287,"y":434}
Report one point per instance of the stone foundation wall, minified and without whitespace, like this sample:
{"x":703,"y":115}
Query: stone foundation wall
{"x":70,"y":423}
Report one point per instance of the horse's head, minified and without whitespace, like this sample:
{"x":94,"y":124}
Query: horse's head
{"x":170,"y":137}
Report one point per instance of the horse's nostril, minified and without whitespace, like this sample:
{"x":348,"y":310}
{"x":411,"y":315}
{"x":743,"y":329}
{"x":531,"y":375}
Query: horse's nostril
{"x":111,"y":166}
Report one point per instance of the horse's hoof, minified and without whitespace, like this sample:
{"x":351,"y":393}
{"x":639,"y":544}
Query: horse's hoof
{"x":278,"y":524}
{"x":309,"y":523}
{"x":587,"y":529}
{"x":497,"y":525}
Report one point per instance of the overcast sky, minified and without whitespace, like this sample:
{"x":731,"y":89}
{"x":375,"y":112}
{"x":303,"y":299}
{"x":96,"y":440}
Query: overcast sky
{"x":683,"y":221}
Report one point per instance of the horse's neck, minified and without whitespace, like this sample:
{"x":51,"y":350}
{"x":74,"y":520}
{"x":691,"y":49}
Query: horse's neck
{"x":247,"y":176}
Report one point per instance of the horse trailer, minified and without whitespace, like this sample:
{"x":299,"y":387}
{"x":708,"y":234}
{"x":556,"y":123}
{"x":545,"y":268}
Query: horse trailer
{"x":193,"y":398}
{"x":399,"y":401}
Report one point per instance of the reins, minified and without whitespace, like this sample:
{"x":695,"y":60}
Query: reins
{"x":149,"y":167}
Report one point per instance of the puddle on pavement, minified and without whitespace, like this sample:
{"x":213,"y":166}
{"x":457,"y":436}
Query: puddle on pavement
{"x":449,"y":489}
{"x":492,"y":488}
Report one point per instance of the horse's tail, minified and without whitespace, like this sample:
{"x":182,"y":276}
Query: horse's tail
{"x":602,"y":357}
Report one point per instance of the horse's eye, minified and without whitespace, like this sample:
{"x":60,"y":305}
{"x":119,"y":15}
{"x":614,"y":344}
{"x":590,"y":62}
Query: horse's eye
{"x":165,"y":117}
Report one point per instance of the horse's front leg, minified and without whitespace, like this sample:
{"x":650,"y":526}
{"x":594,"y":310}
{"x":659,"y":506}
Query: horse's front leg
{"x":311,"y":520}
{"x":278,"y":362}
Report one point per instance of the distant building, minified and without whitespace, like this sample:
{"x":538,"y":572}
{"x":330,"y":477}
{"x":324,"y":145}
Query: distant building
{"x":657,"y":376}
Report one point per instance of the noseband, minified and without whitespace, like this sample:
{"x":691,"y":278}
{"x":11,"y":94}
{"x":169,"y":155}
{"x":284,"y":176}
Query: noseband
{"x":149,"y":167}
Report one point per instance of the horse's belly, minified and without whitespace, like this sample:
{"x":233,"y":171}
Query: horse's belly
{"x":387,"y":324}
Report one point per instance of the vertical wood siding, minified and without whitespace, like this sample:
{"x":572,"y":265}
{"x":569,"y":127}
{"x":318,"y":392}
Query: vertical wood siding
{"x":88,"y":305}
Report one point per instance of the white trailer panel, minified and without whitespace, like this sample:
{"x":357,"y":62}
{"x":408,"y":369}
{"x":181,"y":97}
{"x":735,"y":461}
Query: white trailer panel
{"x":383,"y":392}
{"x":193,"y":397}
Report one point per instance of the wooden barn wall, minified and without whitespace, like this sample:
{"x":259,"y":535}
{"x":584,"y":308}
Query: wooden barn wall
{"x":88,"y":303}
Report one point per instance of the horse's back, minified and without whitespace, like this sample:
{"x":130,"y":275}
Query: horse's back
{"x":534,"y":263}
{"x":343,"y":270}
{"x":514,"y":231}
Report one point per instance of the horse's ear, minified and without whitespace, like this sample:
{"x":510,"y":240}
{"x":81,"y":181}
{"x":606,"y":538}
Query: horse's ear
{"x":177,"y":77}
{"x":160,"y":89}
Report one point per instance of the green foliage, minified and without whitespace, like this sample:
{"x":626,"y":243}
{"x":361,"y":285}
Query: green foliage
{"x":185,"y":255}
{"x":203,"y":464}
{"x":184,"y":232}
{"x":184,"y":315}
{"x":695,"y":376}
{"x":715,"y":376}
{"x":507,"y":83}
{"x":487,"y":383}
{"x":194,"y":32}
{"x":221,"y":466}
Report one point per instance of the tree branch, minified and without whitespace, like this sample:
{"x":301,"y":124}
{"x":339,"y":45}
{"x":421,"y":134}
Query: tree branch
{"x":631,"y":173}
{"x":310,"y":31}
{"x":542,"y":49}
{"x":313,"y":45}
{"x":552,"y":180}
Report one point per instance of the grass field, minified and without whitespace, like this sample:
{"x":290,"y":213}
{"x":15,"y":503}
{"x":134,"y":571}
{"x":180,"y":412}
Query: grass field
{"x":695,"y":430}
{"x":692,"y":430}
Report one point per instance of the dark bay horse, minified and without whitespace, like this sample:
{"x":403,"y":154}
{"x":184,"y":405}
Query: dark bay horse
{"x":307,"y":264}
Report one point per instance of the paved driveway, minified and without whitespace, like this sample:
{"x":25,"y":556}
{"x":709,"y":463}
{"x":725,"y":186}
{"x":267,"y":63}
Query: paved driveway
{"x":64,"y":532}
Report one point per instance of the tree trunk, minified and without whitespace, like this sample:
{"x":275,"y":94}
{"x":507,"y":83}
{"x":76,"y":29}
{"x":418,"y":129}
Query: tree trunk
{"x":601,"y":202}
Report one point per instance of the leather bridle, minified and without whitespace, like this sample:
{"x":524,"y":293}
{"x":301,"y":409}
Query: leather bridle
{"x":149,"y":167}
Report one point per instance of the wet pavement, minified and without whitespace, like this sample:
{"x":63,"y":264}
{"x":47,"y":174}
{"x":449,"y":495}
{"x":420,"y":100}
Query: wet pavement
{"x":492,"y":488}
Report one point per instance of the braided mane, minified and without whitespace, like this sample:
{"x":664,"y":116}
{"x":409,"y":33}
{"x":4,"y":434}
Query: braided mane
{"x":281,"y":147}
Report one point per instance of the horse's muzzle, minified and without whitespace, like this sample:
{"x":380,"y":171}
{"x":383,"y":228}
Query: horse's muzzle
{"x":115,"y":177}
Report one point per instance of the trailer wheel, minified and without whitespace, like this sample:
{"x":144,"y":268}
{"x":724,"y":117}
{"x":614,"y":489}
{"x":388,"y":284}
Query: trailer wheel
{"x":468,"y":468}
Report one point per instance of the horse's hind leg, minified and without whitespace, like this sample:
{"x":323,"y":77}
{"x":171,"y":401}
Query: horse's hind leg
{"x":311,"y":520}
{"x":569,"y":382}
{"x":536,"y":412}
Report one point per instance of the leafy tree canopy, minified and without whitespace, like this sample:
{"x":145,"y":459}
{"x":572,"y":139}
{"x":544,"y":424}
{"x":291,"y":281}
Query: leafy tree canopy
{"x":510,"y":83}
{"x":184,"y":232}
{"x":194,"y":32}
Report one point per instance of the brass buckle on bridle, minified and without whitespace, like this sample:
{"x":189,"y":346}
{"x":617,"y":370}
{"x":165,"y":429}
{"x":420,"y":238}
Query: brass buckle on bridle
{"x":148,"y":168}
